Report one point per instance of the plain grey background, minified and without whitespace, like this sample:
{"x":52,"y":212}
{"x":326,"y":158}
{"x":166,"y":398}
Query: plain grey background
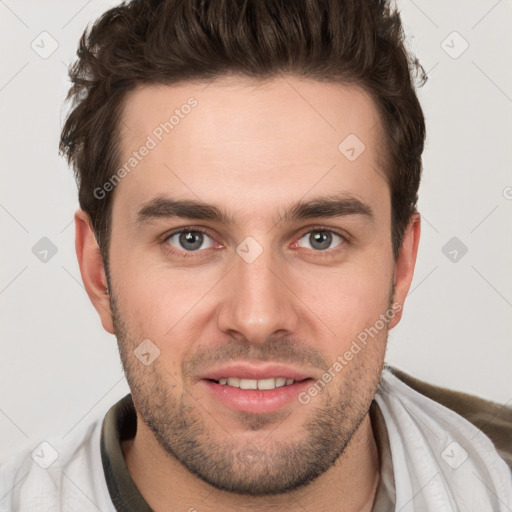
{"x":59,"y":368}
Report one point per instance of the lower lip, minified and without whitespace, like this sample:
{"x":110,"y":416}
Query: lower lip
{"x":255,"y":400}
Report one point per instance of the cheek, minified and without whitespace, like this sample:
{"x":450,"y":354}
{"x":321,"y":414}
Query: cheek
{"x":152,"y":294}
{"x":167,"y":306}
{"x":163,"y":297}
{"x":346,"y":299}
{"x":158,"y":298}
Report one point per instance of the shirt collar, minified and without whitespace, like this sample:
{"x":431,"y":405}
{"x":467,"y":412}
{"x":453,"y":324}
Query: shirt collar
{"x":119,"y":424}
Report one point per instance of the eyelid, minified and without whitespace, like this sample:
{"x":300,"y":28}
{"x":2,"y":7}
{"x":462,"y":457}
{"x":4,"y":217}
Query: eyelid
{"x":183,"y":229}
{"x":340,"y":232}
{"x":345,"y":237}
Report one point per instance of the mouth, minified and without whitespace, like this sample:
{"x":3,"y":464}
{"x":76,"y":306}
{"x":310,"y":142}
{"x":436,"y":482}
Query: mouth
{"x":255,"y":387}
{"x":256,"y":396}
{"x":263,"y":384}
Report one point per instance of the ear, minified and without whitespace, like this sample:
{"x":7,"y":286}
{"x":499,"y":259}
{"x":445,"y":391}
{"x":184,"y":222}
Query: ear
{"x":404,"y":265}
{"x":92,"y":269}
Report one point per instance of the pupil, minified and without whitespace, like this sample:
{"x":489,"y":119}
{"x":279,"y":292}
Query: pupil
{"x":323,"y":238}
{"x":188,"y":238}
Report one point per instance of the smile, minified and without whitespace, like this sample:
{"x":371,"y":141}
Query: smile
{"x":255,"y":396}
{"x":270,"y":383}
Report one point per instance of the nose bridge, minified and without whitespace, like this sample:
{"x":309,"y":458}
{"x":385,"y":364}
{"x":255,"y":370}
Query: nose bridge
{"x":257,"y":302}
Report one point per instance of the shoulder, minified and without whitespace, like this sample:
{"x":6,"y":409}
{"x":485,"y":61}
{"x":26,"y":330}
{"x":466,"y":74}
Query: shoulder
{"x":493,"y":419}
{"x":56,"y":473}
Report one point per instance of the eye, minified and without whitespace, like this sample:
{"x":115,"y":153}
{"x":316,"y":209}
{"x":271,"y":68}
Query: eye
{"x":321,"y":239}
{"x":189,"y":240}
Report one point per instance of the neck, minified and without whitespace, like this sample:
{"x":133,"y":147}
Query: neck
{"x":349,"y":485}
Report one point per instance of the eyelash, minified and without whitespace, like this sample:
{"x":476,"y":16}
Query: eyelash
{"x":189,"y":254}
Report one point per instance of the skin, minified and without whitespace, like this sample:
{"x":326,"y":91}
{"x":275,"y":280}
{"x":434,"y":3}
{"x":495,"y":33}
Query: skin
{"x":251,"y":149}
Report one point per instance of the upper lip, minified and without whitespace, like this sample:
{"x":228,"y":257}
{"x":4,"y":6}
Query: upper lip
{"x":255,"y":372}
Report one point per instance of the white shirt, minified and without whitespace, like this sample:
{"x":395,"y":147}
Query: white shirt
{"x":431,"y":458}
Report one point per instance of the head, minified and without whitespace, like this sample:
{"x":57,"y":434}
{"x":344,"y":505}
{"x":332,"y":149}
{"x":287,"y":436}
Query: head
{"x":284,"y":140}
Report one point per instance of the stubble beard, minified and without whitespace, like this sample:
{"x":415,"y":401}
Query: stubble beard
{"x":259,"y":464}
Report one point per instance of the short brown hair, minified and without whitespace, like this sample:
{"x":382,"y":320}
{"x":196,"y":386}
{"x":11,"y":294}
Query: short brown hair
{"x":141,"y":42}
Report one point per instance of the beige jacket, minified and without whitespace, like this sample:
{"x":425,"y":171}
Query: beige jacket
{"x":493,"y":419}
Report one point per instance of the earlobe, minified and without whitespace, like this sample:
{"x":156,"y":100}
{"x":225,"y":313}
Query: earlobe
{"x":405,"y":263}
{"x":92,"y":269}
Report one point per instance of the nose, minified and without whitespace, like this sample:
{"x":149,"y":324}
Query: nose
{"x":258,"y":300}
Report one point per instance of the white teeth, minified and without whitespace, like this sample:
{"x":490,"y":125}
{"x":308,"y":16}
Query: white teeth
{"x":266,"y":383}
{"x":256,"y":384}
{"x":248,"y":384}
{"x":280,"y":381}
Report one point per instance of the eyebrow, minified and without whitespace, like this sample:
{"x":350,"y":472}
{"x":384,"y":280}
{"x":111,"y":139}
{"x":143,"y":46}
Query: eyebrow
{"x":163,"y":207}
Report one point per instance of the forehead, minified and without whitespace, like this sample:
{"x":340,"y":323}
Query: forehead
{"x":237,"y":140}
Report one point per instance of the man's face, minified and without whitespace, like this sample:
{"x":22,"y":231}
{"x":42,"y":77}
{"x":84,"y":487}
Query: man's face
{"x":262,"y":291}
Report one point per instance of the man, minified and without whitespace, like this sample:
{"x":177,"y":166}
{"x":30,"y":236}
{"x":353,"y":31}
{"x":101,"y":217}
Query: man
{"x":282,"y":141}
